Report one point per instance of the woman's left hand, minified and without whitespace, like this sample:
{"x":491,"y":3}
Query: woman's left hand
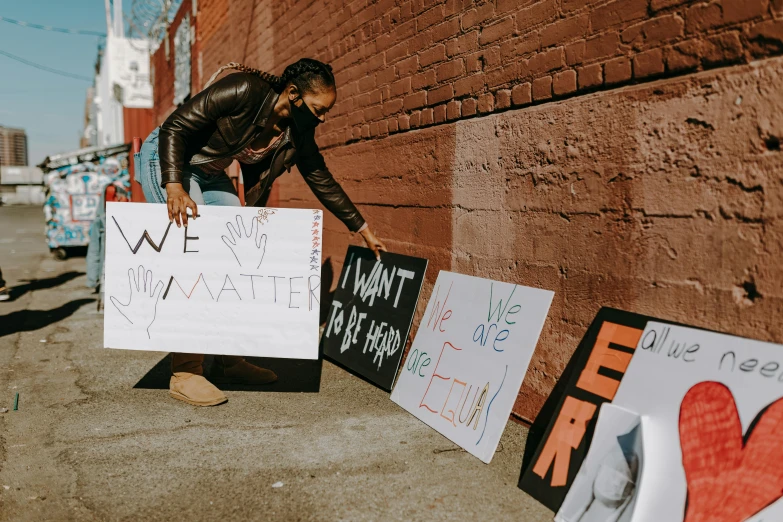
{"x":373,"y":243}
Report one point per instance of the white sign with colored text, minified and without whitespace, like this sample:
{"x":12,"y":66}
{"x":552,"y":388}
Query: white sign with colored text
{"x":234,"y":281}
{"x":471,"y":352}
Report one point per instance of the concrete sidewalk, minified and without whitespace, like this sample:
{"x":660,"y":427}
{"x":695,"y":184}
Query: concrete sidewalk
{"x":96,"y":436}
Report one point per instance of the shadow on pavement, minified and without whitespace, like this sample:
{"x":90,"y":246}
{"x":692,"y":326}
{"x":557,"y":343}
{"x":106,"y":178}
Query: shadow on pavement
{"x":293,"y":375}
{"x":30,"y":320}
{"x":31,"y":285}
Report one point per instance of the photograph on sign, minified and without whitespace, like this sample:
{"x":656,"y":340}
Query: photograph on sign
{"x":469,"y":357}
{"x":371,"y":313}
{"x":605,"y":487}
{"x":714,"y":405}
{"x":234,"y":281}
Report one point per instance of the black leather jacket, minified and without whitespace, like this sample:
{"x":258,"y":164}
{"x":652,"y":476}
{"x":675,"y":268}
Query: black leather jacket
{"x":225,"y":118}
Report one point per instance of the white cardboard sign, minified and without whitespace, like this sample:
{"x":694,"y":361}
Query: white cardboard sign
{"x":466,"y":365}
{"x":713,"y":416}
{"x":235,"y":281}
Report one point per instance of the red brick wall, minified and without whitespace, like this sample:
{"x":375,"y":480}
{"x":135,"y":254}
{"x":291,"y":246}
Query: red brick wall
{"x":599,"y":197}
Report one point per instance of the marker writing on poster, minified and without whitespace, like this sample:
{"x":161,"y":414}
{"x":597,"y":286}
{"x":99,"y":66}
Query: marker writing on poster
{"x":439,"y":312}
{"x":499,"y":315}
{"x":768,"y":370}
{"x":381,"y":339}
{"x":654,"y":342}
{"x":458,"y":396}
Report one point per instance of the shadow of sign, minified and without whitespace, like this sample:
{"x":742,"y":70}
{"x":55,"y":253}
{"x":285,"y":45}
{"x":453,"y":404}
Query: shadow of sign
{"x":293,"y":375}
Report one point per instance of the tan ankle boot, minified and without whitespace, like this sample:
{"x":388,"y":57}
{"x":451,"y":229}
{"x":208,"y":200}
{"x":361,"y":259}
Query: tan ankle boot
{"x":230,"y":368}
{"x":189,"y":385}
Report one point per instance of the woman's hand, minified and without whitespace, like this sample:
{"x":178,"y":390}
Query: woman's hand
{"x":179,"y":202}
{"x":373,"y":243}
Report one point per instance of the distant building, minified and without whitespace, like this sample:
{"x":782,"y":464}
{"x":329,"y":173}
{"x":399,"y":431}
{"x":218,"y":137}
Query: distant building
{"x":13,"y":147}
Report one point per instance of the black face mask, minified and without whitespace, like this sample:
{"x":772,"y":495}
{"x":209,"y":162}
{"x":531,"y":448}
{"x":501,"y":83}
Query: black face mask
{"x":304,"y":119}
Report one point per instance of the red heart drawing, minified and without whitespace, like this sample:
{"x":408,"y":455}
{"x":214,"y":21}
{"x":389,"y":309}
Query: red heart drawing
{"x":729,"y":478}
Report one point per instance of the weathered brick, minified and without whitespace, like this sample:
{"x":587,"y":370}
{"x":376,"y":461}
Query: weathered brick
{"x":564,"y":82}
{"x":575,"y":52}
{"x":392,"y":106}
{"x":542,"y":88}
{"x":367,"y":83}
{"x":404,"y":122}
{"x":617,"y":70}
{"x":503,"y":99}
{"x":462,"y":44}
{"x":478,"y":15}
{"x":573,"y":5}
{"x":445,"y":30}
{"x":683,"y":56}
{"x":436,"y":54}
{"x":415,"y":100}
{"x":722,"y":49}
{"x":486,"y":103}
{"x":440,"y":94}
{"x":397,"y":52}
{"x":543,"y":62}
{"x":486,"y":59}
{"x":502,"y":75}
{"x":400,"y":87}
{"x":469,"y":85}
{"x":506,"y":6}
{"x":430,"y":17}
{"x":450,"y":70}
{"x":439,"y":113}
{"x":415,"y":120}
{"x":385,"y":76}
{"x":496,"y":31}
{"x":383,"y":127}
{"x":654,"y":31}
{"x":565,"y":30}
{"x":394,"y":124}
{"x":538,"y":13}
{"x":601,"y":46}
{"x":520,"y":46}
{"x":374,"y":129}
{"x":453,"y":110}
{"x":590,"y":76}
{"x":657,"y":5}
{"x":617,"y":13}
{"x":469,"y":107}
{"x":648,"y":63}
{"x":419,"y":42}
{"x":424,"y":79}
{"x":735,"y":11}
{"x":703,"y":17}
{"x":766,"y":38}
{"x":521,"y":94}
{"x":407,"y":66}
{"x":373,"y":113}
{"x":427,"y":116}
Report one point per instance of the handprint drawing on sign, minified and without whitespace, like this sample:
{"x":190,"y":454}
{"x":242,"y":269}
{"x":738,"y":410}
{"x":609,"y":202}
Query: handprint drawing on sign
{"x":248,"y":247}
{"x":143,"y":300}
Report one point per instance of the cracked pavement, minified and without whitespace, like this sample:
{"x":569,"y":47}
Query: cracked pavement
{"x":96,"y":436}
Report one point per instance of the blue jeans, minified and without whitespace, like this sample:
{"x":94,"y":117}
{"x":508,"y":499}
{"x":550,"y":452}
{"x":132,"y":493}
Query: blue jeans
{"x":204,"y":189}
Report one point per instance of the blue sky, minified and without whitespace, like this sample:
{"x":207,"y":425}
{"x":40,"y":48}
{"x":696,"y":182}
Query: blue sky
{"x":49,"y":107}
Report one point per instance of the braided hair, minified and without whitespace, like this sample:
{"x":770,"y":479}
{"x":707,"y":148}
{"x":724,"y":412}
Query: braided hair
{"x":307,"y":74}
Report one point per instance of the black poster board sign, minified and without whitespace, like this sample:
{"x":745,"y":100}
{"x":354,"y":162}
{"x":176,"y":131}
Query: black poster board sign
{"x":371,"y":313}
{"x":558,"y":441}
